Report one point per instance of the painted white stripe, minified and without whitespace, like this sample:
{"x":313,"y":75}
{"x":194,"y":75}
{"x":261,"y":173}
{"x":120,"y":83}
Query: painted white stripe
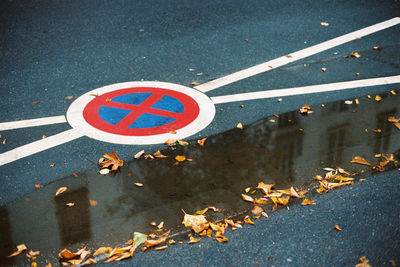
{"x":38,"y":146}
{"x":278,"y":62}
{"x":33,"y":122}
{"x":306,"y":89}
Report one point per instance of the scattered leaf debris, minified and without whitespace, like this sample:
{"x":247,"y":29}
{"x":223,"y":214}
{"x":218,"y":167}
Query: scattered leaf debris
{"x":61,"y":190}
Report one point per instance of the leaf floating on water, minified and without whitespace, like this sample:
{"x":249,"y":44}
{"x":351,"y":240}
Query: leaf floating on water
{"x":360,"y":160}
{"x":93,"y":203}
{"x":70,"y":204}
{"x":154,"y":242}
{"x":202,"y":141}
{"x":180,"y":158}
{"x":197,"y":222}
{"x":61,"y":190}
{"x":20,"y":249}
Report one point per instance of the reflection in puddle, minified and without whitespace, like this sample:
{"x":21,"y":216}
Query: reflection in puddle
{"x":287,"y":150}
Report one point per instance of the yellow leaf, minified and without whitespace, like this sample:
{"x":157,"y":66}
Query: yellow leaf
{"x":61,"y":190}
{"x":138,"y":184}
{"x":248,"y":220}
{"x":265,"y":188}
{"x":202,"y":141}
{"x":378,"y":98}
{"x":337,"y":227}
{"x":197,"y":222}
{"x":66,"y":254}
{"x":102,"y":250}
{"x":221,"y":238}
{"x":159,"y":155}
{"x":180,"y":158}
{"x":195,"y":83}
{"x":247,"y":198}
{"x":290,"y":192}
{"x":171,"y":142}
{"x":20,"y":248}
{"x":257,"y":210}
{"x":171,"y":241}
{"x":162,"y":248}
{"x":71,"y":204}
{"x":239,"y":125}
{"x":93,"y":203}
{"x":193,"y":240}
{"x":363,"y":263}
{"x":159,"y":240}
{"x":360,"y":160}
{"x":182,"y":143}
{"x":280,"y":200}
{"x":113,"y":161}
{"x":307,"y":201}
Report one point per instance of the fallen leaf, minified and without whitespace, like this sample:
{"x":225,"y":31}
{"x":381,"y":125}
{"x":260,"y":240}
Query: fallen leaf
{"x":393,"y":119}
{"x":153,"y":223}
{"x":239,"y":125}
{"x":280,"y":200}
{"x":355,"y":54}
{"x":247,"y":198}
{"x":202,"y":141}
{"x":221,"y":238}
{"x":113,"y":161}
{"x":193,"y":240}
{"x":158,"y":154}
{"x":171,"y":242}
{"x":154,"y":242}
{"x":139,"y":154}
{"x":35,"y":102}
{"x":288,"y":56}
{"x":172,"y":132}
{"x":325,"y":24}
{"x":305,"y":110}
{"x":197,"y":222}
{"x":32,"y":254}
{"x":102,"y":250}
{"x":265,"y":188}
{"x":53,"y":164}
{"x":149,"y":156}
{"x":70,"y":204}
{"x":4,"y":141}
{"x":256,"y":210}
{"x":248,"y":220}
{"x":93,"y":203}
{"x":75,"y":175}
{"x":171,"y":142}
{"x":337,"y":227}
{"x":61,"y":190}
{"x":377,"y":48}
{"x":20,"y":249}
{"x":323,"y":69}
{"x":38,"y":185}
{"x":48,"y":264}
{"x":104,"y":171}
{"x":44,"y":136}
{"x":138,"y":239}
{"x":363,"y":262}
{"x":393,"y":92}
{"x":33,"y":264}
{"x":182,"y":143}
{"x":69,"y":97}
{"x":192,"y":70}
{"x":65,"y":254}
{"x":180,"y":158}
{"x":307,"y":201}
{"x":161,"y":225}
{"x":291,"y":192}
{"x":378,"y":98}
{"x":161,"y":248}
{"x":138,"y":184}
{"x":260,"y":201}
{"x":360,"y":160}
{"x":397,"y":124}
{"x":195,"y":83}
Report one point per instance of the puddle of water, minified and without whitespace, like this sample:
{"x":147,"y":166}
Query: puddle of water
{"x":286,"y":152}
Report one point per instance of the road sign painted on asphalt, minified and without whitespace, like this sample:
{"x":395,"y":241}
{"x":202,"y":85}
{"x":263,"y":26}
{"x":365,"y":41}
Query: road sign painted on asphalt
{"x":141,"y":112}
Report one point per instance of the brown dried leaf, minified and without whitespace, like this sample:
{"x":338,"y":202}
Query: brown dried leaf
{"x":397,"y":124}
{"x":280,"y":200}
{"x":65,"y":254}
{"x":393,"y":119}
{"x":257,"y":210}
{"x":102,"y":250}
{"x":202,"y":141}
{"x":221,"y":238}
{"x":159,"y":155}
{"x":161,"y":225}
{"x":306,"y":109}
{"x":171,"y":142}
{"x":161,"y":248}
{"x":260,"y":201}
{"x":247,"y":198}
{"x":197,"y":222}
{"x":265,"y":188}
{"x":93,"y":203}
{"x":159,"y":240}
{"x":195,"y":83}
{"x":20,"y":248}
{"x":337,"y":227}
{"x":61,"y":190}
{"x":139,"y":154}
{"x":307,"y":201}
{"x":248,"y":220}
{"x":171,"y":242}
{"x":193,"y":240}
{"x":291,"y":192}
{"x":355,"y":54}
{"x":360,"y":160}
{"x":378,"y":98}
{"x":377,"y":48}
{"x":180,"y":158}
{"x":113,"y":161}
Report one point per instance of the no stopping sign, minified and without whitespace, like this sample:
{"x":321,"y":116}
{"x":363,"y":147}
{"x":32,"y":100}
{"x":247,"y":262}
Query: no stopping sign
{"x":141,"y":112}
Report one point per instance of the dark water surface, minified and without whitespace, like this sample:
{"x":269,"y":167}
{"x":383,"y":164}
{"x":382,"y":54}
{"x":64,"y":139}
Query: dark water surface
{"x":288,"y":151}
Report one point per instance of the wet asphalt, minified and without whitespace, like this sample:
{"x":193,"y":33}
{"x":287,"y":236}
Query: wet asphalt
{"x":51,"y":50}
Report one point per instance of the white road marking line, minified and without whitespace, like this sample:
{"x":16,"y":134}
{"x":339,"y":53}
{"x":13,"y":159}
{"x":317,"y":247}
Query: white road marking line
{"x":306,"y":89}
{"x":33,"y":122}
{"x":278,"y":62}
{"x":38,"y":146}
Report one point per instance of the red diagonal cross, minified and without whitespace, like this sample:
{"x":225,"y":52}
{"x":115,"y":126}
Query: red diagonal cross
{"x":144,"y":107}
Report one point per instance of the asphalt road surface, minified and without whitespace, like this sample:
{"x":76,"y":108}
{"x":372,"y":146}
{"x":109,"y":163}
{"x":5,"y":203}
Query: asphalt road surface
{"x":206,"y":58}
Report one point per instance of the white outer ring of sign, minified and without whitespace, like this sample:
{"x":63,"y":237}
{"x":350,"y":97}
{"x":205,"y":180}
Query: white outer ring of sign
{"x":76,"y":120}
